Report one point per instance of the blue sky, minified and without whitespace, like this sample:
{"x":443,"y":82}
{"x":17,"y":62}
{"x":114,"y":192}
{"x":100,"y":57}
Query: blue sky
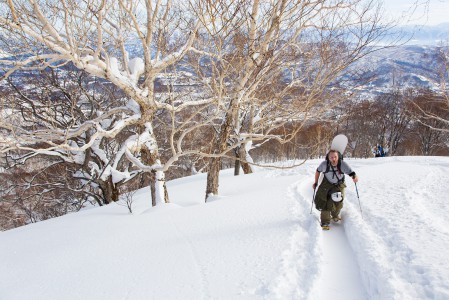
{"x":423,"y":12}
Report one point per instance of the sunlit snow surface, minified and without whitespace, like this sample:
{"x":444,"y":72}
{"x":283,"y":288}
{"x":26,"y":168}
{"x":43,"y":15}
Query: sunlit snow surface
{"x":256,"y":240}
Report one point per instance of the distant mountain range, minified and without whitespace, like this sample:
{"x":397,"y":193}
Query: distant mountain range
{"x":400,"y":67}
{"x":415,"y":63}
{"x":426,"y":35}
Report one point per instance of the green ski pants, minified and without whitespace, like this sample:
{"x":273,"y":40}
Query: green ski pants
{"x":326,"y":215}
{"x":329,"y":209}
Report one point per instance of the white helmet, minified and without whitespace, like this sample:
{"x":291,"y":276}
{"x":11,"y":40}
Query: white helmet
{"x":336,"y":197}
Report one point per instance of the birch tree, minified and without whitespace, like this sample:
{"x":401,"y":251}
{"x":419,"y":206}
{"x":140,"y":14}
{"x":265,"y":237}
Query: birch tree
{"x":96,"y":36}
{"x":52,"y":101}
{"x":274,"y":64}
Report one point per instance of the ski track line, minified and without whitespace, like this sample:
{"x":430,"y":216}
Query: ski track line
{"x":339,"y":272}
{"x":423,"y":222}
{"x":373,"y":255}
{"x":298,"y":269}
{"x":340,"y":276}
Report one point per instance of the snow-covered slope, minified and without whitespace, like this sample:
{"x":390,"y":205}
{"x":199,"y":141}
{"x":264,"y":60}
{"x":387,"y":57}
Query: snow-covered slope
{"x":257,"y":240}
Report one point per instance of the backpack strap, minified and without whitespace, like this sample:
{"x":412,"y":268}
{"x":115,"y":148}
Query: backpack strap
{"x":328,"y":168}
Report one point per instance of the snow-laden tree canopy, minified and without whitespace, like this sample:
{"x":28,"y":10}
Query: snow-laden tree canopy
{"x":240,"y":53}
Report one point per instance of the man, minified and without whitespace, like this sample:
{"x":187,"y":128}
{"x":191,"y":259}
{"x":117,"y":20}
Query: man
{"x":330,"y":194}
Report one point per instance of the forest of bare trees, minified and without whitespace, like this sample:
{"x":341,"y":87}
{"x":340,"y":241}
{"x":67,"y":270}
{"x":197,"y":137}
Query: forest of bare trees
{"x":103,"y":97}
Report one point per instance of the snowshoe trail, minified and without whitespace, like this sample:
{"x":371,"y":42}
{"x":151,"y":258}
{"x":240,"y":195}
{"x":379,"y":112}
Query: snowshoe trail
{"x":425,"y":218}
{"x":338,"y":270}
{"x":322,"y":268}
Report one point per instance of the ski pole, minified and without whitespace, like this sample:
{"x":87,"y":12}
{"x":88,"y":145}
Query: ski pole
{"x":313,"y":200}
{"x":357,"y":190}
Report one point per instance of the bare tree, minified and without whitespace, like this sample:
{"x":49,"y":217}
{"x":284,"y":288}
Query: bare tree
{"x":128,"y":200}
{"x":273,"y":64}
{"x":429,"y":113}
{"x":361,"y":124}
{"x":392,"y":120}
{"x":435,"y":120}
{"x":46,"y":191}
{"x":54,"y":100}
{"x":95,"y":36}
{"x":265,"y":69}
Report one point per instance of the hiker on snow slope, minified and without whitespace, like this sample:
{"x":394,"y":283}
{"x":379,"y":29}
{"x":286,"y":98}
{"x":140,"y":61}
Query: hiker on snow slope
{"x":330,"y":194}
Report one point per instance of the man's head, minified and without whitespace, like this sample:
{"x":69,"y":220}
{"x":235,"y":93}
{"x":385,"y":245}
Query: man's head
{"x":333,"y":157}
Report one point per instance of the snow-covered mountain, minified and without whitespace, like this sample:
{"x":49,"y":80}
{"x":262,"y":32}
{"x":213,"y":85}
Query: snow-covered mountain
{"x":415,"y":61}
{"x":257,"y":240}
{"x":400,"y":67}
{"x":426,"y":35}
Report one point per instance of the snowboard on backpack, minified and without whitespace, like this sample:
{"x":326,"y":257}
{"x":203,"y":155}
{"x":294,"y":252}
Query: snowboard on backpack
{"x":339,"y":143}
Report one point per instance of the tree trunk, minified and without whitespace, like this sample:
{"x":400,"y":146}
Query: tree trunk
{"x":212,"y":176}
{"x":159,"y":193}
{"x":220,"y":146}
{"x":144,"y":180}
{"x":110,"y":191}
{"x":237,"y":163}
{"x":161,"y":188}
{"x":152,"y":183}
{"x":243,"y":154}
{"x":215,"y":162}
{"x":115,"y":193}
{"x":241,"y":161}
{"x":151,"y":157}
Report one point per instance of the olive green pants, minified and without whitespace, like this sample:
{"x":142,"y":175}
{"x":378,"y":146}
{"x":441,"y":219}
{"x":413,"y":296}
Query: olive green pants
{"x":329,"y":209}
{"x":326,"y":215}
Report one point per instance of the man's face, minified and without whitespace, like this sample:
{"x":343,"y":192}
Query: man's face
{"x":333,"y":158}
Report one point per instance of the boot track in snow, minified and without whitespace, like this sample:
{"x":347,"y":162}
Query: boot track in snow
{"x":325,"y":267}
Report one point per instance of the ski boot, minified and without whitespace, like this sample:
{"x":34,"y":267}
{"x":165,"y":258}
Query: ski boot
{"x":336,"y":219}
